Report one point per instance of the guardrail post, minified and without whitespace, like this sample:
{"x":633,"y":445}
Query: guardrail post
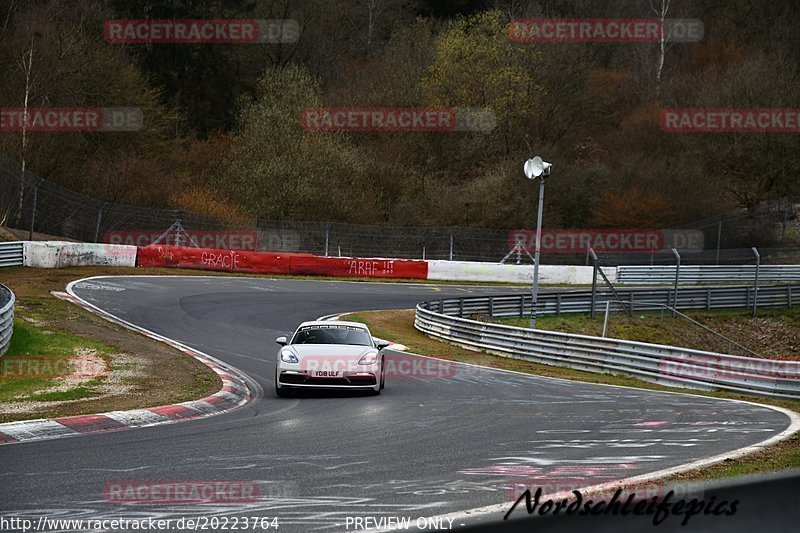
{"x":441,"y":306}
{"x":491,"y":306}
{"x":605,"y":320}
{"x":789,"y":291}
{"x":461,"y":307}
{"x":755,"y":286}
{"x":708,"y":299}
{"x":677,"y":278}
{"x":521,"y":305}
{"x":558,"y":304}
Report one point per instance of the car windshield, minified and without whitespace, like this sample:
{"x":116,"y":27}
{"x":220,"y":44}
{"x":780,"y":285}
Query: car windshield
{"x":332,"y":335}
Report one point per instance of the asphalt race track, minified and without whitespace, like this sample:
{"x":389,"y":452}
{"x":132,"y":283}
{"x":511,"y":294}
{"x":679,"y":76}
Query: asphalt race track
{"x":425,"y":447}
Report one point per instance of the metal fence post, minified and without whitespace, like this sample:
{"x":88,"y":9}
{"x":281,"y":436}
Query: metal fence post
{"x":99,"y":219}
{"x":677,"y":278}
{"x":755,"y":287}
{"x":327,"y":237}
{"x":594,"y":281}
{"x":33,"y":209}
{"x":521,"y":305}
{"x":461,"y":307}
{"x":452,"y":231}
{"x":558,"y":304}
{"x":491,"y":306}
{"x":605,"y":320}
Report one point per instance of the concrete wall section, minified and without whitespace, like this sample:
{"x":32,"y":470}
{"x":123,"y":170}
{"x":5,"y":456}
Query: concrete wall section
{"x":55,"y":254}
{"x":487,"y":272}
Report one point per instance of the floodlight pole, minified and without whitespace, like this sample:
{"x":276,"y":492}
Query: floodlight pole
{"x":537,"y":252}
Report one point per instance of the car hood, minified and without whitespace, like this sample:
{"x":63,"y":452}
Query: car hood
{"x":331,"y":350}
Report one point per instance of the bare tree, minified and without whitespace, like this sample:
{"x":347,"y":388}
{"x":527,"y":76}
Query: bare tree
{"x":27,"y":67}
{"x":661,"y":8}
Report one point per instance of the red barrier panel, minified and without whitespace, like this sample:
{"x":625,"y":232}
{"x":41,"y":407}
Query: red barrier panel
{"x":278,"y":263}
{"x":208,"y":259}
{"x":358,"y":267}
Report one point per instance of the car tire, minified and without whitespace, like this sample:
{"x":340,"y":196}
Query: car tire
{"x":280,"y":392}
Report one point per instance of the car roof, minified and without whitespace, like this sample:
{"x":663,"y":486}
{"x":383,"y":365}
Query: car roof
{"x":333,"y":323}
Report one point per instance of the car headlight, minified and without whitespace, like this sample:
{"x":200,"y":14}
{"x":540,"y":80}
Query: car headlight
{"x":288,"y":356}
{"x":369,"y":359}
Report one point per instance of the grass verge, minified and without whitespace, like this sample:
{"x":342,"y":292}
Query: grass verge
{"x":37,"y":359}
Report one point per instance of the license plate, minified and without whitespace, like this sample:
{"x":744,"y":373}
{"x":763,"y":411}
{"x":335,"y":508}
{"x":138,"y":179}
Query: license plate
{"x":328,"y":373}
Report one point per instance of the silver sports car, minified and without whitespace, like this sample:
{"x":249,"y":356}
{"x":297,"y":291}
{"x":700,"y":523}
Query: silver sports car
{"x":331,"y":355}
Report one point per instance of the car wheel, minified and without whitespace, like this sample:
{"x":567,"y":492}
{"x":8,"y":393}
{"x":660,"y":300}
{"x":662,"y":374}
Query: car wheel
{"x":282,"y":392}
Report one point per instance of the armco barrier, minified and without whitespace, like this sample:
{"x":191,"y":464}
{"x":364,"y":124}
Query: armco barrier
{"x":55,"y":254}
{"x":11,"y":253}
{"x":279,"y":263}
{"x":641,"y":299}
{"x":474,"y":271}
{"x":708,"y":274}
{"x":668,"y":365}
{"x":6,"y":317}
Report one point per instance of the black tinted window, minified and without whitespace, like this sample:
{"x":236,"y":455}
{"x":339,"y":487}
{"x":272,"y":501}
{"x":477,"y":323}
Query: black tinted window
{"x":332,"y":335}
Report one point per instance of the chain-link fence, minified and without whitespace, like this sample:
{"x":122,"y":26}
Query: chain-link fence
{"x":34,"y":204}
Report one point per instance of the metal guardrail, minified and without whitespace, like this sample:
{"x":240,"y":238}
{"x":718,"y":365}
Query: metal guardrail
{"x":6,"y":317}
{"x":708,"y":274}
{"x":667,"y":365}
{"x":697,"y":298}
{"x":11,"y":253}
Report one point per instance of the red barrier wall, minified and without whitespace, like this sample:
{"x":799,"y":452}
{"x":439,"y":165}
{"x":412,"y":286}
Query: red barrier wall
{"x":278,"y":263}
{"x":358,"y":267}
{"x":208,"y":259}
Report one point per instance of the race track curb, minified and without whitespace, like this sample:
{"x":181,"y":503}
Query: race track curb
{"x":233,"y":394}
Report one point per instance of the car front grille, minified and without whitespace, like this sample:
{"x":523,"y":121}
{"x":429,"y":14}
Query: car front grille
{"x":354,"y":381}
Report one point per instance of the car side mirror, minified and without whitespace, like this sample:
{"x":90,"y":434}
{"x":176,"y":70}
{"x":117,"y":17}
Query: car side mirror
{"x":281,"y":341}
{"x":381,"y":344}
